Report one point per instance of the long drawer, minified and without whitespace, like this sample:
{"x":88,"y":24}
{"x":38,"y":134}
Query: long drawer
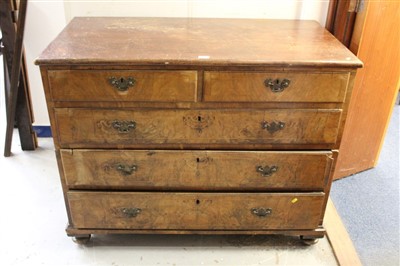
{"x":113,"y":85}
{"x":195,"y":211}
{"x":275,"y":86}
{"x":110,"y":128}
{"x":195,"y":170}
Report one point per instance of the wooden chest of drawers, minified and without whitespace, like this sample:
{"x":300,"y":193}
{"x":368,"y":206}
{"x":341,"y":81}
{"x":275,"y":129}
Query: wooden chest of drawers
{"x":214,"y":126}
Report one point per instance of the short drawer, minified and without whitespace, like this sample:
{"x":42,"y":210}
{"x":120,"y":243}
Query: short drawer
{"x":133,"y":85}
{"x":78,"y":128}
{"x":197,"y":211}
{"x":275,"y":87}
{"x":196,"y":170}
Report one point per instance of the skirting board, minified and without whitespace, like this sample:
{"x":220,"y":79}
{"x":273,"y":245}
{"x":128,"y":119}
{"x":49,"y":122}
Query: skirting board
{"x":339,"y":239}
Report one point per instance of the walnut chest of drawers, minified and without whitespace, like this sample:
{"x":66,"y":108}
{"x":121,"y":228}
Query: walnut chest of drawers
{"x":213,"y":126}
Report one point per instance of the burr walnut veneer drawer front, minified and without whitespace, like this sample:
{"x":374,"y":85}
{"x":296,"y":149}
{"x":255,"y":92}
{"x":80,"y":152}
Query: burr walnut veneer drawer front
{"x":109,"y":128}
{"x":192,"y":211}
{"x":135,"y":85}
{"x":275,"y":87}
{"x":195,"y":170}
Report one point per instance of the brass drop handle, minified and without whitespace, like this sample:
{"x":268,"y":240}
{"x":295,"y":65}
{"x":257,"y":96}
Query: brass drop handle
{"x":123,"y":126}
{"x":261,"y":212}
{"x":266,"y":170}
{"x":277,"y":85}
{"x":122,"y":84}
{"x":130,"y":212}
{"x":272,"y":127}
{"x":126,"y":169}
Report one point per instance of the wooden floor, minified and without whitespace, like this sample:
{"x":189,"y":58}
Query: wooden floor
{"x":339,"y":239}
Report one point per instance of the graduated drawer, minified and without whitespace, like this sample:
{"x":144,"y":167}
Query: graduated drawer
{"x":78,"y":128}
{"x":132,"y":85}
{"x":197,"y":211}
{"x":195,"y":170}
{"x":275,"y":87}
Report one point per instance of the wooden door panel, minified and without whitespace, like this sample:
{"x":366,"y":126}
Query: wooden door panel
{"x":376,"y":42}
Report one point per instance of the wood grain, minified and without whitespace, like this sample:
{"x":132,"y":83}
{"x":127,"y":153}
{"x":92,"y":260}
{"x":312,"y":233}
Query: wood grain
{"x":250,"y":87}
{"x":318,"y":232}
{"x":155,"y":86}
{"x":341,"y":243}
{"x":341,"y":18}
{"x":196,"y":41}
{"x":211,"y":211}
{"x":15,"y":72}
{"x":79,"y":127}
{"x":375,"y":89}
{"x":188,"y":144}
{"x":24,"y":117}
{"x":195,"y":170}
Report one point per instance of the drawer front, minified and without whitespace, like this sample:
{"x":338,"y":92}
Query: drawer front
{"x":195,"y":170}
{"x":92,"y":85}
{"x":110,"y":128}
{"x":274,"y":87}
{"x":197,"y":211}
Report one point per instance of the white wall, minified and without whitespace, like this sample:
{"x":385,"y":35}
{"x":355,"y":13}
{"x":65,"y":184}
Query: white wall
{"x":284,"y":9}
{"x":45,"y":19}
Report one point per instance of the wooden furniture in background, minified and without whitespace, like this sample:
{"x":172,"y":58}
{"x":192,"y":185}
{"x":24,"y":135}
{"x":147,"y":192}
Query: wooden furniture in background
{"x":18,"y":101}
{"x":213,"y":126}
{"x":341,"y":18}
{"x":375,"y":39}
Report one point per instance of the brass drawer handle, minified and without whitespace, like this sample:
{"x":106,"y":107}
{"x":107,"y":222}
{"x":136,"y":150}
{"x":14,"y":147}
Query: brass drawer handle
{"x":277,"y":85}
{"x":122,"y":84}
{"x":126,"y":169}
{"x":272,"y":127}
{"x":130,"y":212}
{"x":123,"y":126}
{"x":266,"y":170}
{"x":261,"y":212}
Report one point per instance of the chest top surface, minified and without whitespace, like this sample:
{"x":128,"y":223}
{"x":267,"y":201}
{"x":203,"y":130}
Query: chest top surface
{"x":196,"y":41}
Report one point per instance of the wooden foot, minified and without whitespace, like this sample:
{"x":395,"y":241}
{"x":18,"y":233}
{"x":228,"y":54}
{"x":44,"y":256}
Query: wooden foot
{"x":81,"y":239}
{"x":309,"y":240}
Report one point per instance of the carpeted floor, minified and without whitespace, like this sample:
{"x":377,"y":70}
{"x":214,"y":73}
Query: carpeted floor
{"x":368,"y":204}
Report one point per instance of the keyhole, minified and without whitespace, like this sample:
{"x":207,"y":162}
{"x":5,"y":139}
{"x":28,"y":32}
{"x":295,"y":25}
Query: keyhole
{"x":199,"y":118}
{"x":122,"y":80}
{"x":197,"y":202}
{"x":277,"y":81}
{"x":198,"y":160}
